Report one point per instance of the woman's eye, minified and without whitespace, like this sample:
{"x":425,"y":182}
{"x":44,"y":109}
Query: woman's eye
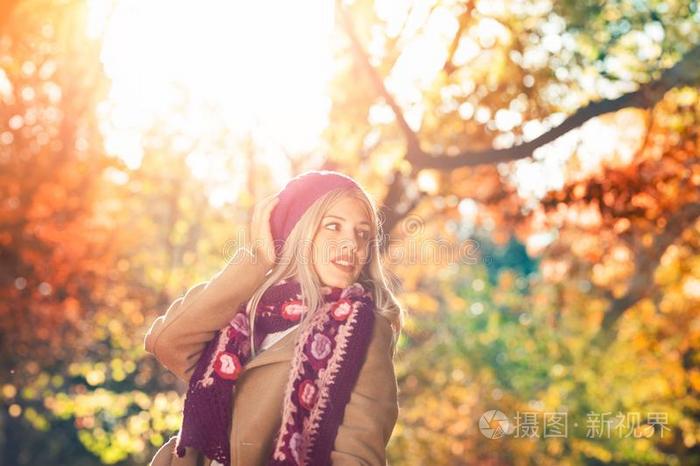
{"x":363,"y":233}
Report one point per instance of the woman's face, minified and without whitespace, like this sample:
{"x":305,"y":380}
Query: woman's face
{"x":341,"y":245}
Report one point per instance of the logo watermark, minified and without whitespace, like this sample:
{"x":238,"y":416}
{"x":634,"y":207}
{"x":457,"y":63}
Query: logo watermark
{"x":407,"y":247}
{"x":494,"y":424}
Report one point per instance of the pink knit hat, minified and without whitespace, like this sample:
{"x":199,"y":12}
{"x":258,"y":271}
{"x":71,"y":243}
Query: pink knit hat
{"x":297,"y":196}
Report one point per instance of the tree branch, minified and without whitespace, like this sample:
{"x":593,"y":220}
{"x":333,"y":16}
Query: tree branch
{"x":448,"y":67}
{"x":413,"y":145}
{"x":686,"y":71}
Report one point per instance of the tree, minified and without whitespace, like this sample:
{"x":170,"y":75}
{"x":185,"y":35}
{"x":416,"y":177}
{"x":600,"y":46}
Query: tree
{"x":601,"y":103}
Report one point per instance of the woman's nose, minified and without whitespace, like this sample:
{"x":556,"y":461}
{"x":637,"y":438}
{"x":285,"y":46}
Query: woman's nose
{"x":349,"y":244}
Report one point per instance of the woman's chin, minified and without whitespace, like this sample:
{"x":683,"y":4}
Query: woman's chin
{"x":338,"y":281}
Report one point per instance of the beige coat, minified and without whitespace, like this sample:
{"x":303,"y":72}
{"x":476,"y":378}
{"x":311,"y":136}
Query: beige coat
{"x":178,"y":337}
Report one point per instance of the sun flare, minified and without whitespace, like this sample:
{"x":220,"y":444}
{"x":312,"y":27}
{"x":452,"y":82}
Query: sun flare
{"x":201,"y":70}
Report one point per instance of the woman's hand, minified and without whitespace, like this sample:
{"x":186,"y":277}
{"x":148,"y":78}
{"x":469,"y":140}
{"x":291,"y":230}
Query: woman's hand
{"x":261,"y":242}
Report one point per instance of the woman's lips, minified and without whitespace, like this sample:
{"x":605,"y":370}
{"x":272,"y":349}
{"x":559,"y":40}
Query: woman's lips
{"x":344,"y":268}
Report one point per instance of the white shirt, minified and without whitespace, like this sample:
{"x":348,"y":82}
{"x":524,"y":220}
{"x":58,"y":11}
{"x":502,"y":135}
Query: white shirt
{"x":273,"y":338}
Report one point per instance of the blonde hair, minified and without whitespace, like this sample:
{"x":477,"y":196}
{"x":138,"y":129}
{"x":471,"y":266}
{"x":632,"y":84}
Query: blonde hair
{"x":294,"y":263}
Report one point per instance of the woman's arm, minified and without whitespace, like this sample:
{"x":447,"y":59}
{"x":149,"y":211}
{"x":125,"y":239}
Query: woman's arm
{"x":373,"y":409}
{"x":178,"y":337}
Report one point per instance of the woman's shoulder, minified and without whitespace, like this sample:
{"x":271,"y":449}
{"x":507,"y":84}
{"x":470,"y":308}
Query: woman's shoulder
{"x":382,"y":326}
{"x":382,"y":341}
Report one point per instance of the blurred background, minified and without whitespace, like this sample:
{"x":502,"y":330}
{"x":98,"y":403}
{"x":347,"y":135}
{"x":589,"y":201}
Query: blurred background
{"x":536,"y":166}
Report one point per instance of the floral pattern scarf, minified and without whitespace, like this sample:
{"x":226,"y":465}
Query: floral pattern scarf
{"x":327,"y":359}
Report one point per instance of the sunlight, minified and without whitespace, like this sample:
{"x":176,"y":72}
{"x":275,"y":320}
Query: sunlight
{"x":208,"y":70}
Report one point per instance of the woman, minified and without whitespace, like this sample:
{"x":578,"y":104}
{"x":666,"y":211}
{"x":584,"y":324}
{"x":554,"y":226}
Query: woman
{"x":288,"y":350}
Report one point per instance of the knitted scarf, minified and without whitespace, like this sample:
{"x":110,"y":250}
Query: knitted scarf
{"x":326,"y":363}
